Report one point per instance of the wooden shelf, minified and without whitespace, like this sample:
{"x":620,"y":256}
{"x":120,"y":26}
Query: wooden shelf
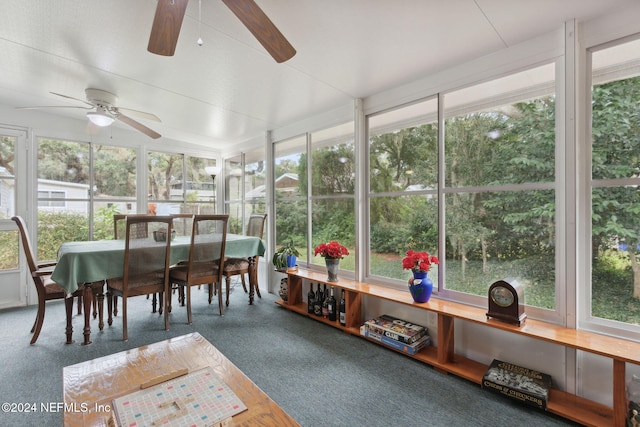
{"x":441,"y":355}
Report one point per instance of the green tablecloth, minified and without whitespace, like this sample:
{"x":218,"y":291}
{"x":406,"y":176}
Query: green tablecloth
{"x":92,"y":261}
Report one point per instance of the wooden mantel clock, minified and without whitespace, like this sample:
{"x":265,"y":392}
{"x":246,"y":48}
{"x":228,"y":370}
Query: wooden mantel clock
{"x":506,"y":302}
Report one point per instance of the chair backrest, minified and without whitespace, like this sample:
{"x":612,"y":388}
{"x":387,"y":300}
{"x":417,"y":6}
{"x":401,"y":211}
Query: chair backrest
{"x":208,"y":241}
{"x":26,"y":244}
{"x":146,"y":257}
{"x":255,"y":226}
{"x":120,"y":224}
{"x":183,"y":223}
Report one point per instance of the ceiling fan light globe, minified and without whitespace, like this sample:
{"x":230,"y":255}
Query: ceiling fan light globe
{"x":100,"y":119}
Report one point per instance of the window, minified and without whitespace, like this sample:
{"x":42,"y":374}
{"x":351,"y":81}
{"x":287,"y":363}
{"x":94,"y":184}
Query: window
{"x":64,"y":191}
{"x":615,"y":179}
{"x":499,"y":185}
{"x":403,"y":166}
{"x":245,"y":191}
{"x":233,"y":192}
{"x":315,"y":187}
{"x":179,"y":183}
{"x":113,"y":189}
{"x":54,"y":199}
{"x":290,"y":189}
{"x":332,"y":174}
{"x":489,"y":210}
{"x":82,"y":185}
{"x":8,"y":239}
{"x":255,"y":196}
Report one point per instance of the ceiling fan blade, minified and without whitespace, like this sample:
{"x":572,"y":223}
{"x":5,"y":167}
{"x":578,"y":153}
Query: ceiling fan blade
{"x":262,"y":28}
{"x":138,"y":126}
{"x":84,"y":101}
{"x":38,"y":107}
{"x":141,"y":114}
{"x":166,"y":26}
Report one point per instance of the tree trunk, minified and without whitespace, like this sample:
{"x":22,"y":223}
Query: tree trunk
{"x":636,"y":274}
{"x":483,"y":244}
{"x":463,"y":259}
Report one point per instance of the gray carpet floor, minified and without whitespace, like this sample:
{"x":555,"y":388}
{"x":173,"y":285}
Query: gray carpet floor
{"x":319,"y":375}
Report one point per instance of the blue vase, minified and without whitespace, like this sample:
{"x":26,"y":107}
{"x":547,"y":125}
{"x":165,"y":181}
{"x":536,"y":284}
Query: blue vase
{"x":422,"y":286}
{"x":291,"y":261}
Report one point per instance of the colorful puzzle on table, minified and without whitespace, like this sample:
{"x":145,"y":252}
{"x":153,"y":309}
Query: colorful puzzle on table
{"x":200,"y":398}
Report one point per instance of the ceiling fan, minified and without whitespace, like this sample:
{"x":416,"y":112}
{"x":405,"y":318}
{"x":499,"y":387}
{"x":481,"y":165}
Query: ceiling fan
{"x":104,"y":112}
{"x":170,"y":13}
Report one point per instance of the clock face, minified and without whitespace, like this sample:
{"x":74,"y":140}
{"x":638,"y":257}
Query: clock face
{"x":502,"y":296}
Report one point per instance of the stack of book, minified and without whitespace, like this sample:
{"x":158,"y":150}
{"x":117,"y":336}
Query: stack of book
{"x":397,"y":333}
{"x":516,"y":382}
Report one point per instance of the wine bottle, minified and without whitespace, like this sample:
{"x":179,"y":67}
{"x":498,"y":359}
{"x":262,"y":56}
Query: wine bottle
{"x":342,"y":309}
{"x":317,"y":304}
{"x":331,"y":307}
{"x":325,"y":305}
{"x":311,"y":298}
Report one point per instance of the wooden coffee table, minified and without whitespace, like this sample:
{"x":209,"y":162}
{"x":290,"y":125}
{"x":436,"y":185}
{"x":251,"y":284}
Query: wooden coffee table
{"x":91,"y":386}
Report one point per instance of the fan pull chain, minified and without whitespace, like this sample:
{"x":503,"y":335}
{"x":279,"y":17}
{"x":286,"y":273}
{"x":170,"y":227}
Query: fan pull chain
{"x":200,"y":42}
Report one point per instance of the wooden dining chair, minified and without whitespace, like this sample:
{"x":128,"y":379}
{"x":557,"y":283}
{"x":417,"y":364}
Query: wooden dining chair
{"x":120,"y":224}
{"x":182,"y":223}
{"x":46,"y":288}
{"x":206,"y":259}
{"x":146,"y":266}
{"x":240,"y":266}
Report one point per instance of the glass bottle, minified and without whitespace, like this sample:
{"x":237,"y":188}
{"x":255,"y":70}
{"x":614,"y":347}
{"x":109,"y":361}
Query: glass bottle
{"x":342,"y":310}
{"x":311,"y":298}
{"x":331,"y":306}
{"x":317,"y":304}
{"x":325,"y":304}
{"x":633,"y":401}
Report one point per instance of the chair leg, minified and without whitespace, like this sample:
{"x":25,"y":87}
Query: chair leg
{"x":125,"y":331}
{"x":219,"y":286}
{"x":35,"y":322}
{"x":167,"y":308}
{"x":110,"y":299}
{"x":211,"y":290}
{"x":39,"y":319}
{"x":154,"y":302}
{"x":188,"y":291}
{"x":79,"y":306}
{"x":244,"y":284}
{"x":228,"y":292}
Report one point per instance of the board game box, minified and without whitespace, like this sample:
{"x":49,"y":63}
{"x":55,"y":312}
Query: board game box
{"x":397,"y":329}
{"x":423,"y":342}
{"x":524,"y":384}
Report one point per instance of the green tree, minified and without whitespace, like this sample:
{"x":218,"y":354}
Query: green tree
{"x":616,"y":154}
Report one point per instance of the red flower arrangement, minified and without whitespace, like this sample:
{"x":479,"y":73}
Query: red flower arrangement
{"x":331,"y":250}
{"x":418,"y":261}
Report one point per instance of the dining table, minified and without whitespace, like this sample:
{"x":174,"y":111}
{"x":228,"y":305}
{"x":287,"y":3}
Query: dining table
{"x":88,"y":264}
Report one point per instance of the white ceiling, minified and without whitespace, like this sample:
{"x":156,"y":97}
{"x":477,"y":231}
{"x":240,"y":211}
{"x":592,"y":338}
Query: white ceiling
{"x":230,"y":90}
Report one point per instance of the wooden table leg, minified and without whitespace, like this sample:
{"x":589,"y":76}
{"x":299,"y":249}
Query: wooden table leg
{"x":99,"y":292}
{"x":87,"y":296}
{"x":68,"y":305}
